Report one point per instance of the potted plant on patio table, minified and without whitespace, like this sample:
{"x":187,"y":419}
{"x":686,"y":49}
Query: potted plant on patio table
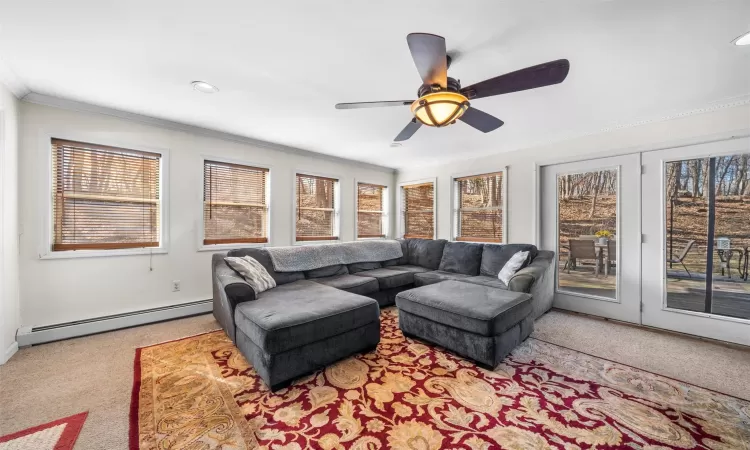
{"x":603,"y":236}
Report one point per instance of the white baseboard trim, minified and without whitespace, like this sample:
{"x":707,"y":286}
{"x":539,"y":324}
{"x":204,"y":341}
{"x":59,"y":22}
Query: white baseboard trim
{"x":9,"y":352}
{"x":50,"y":333}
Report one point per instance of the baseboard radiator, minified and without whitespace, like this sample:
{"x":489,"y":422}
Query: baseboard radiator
{"x":50,"y":333}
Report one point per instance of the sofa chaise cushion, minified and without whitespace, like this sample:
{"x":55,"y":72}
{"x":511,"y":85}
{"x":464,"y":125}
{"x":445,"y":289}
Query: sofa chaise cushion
{"x":436,"y":276}
{"x":461,"y":257}
{"x":389,"y":278}
{"x":495,"y":256}
{"x":481,"y":310}
{"x":351,"y":283}
{"x":425,"y":252}
{"x":302,"y":312}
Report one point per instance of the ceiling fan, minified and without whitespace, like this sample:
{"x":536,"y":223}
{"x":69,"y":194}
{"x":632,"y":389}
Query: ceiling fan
{"x":442,"y":100}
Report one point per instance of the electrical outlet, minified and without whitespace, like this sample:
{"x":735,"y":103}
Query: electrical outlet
{"x":175,"y":285}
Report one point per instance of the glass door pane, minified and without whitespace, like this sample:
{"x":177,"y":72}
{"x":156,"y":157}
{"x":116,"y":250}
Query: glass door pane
{"x":708,"y":235}
{"x":587,"y":233}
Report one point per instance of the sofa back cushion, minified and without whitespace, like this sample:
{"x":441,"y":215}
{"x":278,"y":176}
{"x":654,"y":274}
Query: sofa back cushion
{"x":461,"y":257}
{"x":425,"y":252}
{"x":494,"y":256}
{"x":403,"y":259}
{"x":328,"y":271}
{"x":362,"y":266}
{"x":261,"y":255}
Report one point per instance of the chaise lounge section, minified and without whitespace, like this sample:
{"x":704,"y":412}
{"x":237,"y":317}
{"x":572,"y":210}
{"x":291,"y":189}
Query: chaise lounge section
{"x":318,"y":316}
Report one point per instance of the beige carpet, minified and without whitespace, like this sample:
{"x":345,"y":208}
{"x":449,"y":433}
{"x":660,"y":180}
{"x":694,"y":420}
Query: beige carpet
{"x":95,"y":373}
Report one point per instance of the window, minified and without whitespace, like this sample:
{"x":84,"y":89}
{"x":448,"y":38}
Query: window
{"x":235,"y":203}
{"x":317,"y":208}
{"x":418,"y":210}
{"x":371,"y":207}
{"x":479,"y":208}
{"x":104,"y":198}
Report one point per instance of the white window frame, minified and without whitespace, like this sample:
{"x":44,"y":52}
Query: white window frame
{"x":46,"y":197}
{"x":400,"y":206}
{"x":454,"y":201}
{"x":385,"y":216}
{"x":336,"y":206}
{"x":201,"y":225}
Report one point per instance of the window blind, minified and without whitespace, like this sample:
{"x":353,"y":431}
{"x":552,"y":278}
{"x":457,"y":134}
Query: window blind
{"x":104,"y":197}
{"x":479,"y":208}
{"x":418,"y":215}
{"x":316,"y":213}
{"x":370,"y":210}
{"x":235,"y":203}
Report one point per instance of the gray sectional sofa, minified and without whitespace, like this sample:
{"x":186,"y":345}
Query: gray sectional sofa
{"x":316,"y":317}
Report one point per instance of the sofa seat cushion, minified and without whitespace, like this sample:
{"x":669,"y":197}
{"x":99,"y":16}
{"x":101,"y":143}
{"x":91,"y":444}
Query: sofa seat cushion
{"x":328,"y":271}
{"x":351,"y":283}
{"x":302,"y":312}
{"x":389,"y":278}
{"x":481,"y":310}
{"x":486,"y":281}
{"x":410,"y":268}
{"x":436,"y":276}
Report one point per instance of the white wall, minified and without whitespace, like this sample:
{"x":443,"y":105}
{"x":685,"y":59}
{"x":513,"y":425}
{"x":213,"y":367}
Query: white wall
{"x":62,"y":290}
{"x":9,"y":300}
{"x":522,"y":163}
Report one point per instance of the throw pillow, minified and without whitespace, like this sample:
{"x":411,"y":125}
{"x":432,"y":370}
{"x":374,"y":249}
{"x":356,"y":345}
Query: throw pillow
{"x":513,"y":265}
{"x":253,"y":272}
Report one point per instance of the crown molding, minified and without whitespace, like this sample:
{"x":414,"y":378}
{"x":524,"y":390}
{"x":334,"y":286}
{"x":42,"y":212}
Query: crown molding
{"x":12,"y":82}
{"x":72,"y":105}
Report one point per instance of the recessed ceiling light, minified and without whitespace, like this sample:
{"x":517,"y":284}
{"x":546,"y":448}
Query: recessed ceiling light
{"x":743,"y":40}
{"x":204,"y":87}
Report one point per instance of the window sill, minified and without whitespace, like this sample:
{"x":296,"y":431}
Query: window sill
{"x":71,"y":254}
{"x":222,"y":247}
{"x":332,"y":241}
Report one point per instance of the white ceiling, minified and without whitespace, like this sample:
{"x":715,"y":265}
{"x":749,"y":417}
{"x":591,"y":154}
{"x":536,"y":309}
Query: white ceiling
{"x":282,"y":65}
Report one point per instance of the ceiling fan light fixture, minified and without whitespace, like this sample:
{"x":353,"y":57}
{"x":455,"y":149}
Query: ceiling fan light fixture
{"x":742,"y":40}
{"x":206,"y":88}
{"x":439,"y":109}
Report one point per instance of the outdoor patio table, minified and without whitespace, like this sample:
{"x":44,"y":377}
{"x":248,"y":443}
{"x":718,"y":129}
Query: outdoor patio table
{"x":742,"y":260}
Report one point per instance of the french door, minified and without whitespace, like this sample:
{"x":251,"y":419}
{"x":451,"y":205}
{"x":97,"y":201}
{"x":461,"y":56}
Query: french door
{"x":590,"y":217}
{"x":696,"y":226}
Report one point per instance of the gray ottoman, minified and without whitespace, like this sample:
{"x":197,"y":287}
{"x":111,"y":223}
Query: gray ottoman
{"x":300,"y":327}
{"x":480,"y":322}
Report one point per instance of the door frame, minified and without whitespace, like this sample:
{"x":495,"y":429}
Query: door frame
{"x":617,"y":151}
{"x":656,"y":313}
{"x":627,"y":302}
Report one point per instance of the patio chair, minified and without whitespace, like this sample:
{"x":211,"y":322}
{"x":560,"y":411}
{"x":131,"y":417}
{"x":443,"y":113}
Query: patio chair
{"x":681,"y":257}
{"x":611,"y":256}
{"x":582,"y":249}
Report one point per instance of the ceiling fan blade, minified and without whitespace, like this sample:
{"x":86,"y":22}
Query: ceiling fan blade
{"x":481,"y":120}
{"x":429,"y":55}
{"x":408,"y":131}
{"x":373,"y":104}
{"x":546,"y":74}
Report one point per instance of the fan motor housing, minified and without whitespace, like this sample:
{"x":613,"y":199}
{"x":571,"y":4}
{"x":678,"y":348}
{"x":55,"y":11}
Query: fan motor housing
{"x":453,"y":85}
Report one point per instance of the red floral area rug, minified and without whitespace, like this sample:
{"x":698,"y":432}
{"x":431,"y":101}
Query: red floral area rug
{"x":200,"y":393}
{"x":58,"y":435}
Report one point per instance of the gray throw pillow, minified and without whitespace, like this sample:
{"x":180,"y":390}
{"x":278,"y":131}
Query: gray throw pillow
{"x":253,"y":272}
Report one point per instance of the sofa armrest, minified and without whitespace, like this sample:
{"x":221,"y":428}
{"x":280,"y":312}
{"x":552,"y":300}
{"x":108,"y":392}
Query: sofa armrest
{"x":230,"y":289}
{"x":533,"y":280}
